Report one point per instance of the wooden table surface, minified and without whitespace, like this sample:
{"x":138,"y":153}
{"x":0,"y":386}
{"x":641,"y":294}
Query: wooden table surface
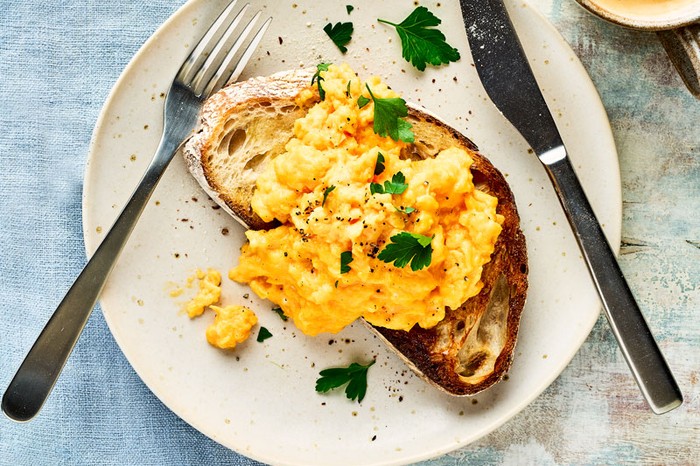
{"x":594,"y":413}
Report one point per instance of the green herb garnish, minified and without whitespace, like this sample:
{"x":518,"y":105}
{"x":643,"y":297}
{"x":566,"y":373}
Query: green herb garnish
{"x":397,"y":185}
{"x":345,"y":260}
{"x":349,"y":8}
{"x":405,"y":210}
{"x":355,"y":375}
{"x":317,"y":78}
{"x":379,"y":166}
{"x":362,"y":101}
{"x":280,"y":313}
{"x":408,"y":247}
{"x":326,"y":192}
{"x":340,"y":34}
{"x":420,"y":42}
{"x":388,"y":118}
{"x":263,"y":334}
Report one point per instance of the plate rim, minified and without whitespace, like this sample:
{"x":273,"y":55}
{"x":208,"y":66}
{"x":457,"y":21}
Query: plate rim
{"x":91,"y":242}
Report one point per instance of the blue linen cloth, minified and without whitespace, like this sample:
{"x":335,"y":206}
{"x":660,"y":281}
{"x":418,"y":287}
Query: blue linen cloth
{"x":58,"y":62}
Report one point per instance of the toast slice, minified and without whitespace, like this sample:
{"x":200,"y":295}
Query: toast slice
{"x":247,"y":124}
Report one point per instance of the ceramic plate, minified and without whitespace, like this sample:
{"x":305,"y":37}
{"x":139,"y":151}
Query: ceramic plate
{"x":259,"y":399}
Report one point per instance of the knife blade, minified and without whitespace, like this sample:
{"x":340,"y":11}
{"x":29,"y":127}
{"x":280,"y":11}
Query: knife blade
{"x":506,"y":75}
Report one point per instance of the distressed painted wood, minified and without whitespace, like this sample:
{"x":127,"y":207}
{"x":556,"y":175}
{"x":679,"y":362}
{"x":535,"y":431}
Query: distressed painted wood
{"x":594,"y":413}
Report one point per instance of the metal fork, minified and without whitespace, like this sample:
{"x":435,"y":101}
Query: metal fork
{"x":216,"y":60}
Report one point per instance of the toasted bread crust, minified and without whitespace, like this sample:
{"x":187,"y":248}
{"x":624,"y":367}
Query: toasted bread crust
{"x":469,"y":350}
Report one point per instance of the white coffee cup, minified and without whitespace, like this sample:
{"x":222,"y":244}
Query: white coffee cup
{"x":677,"y":23}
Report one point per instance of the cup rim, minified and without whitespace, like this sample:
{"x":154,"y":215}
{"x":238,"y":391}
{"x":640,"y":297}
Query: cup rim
{"x":639,"y":23}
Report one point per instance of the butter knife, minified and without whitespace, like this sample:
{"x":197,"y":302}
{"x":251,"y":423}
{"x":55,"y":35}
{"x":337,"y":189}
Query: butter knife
{"x":508,"y":80}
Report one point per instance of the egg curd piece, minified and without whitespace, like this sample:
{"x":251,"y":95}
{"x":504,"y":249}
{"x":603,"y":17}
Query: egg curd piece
{"x":208,"y":294}
{"x":232,"y":325}
{"x":297,"y":265}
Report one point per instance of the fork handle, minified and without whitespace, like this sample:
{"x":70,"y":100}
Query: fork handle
{"x":638,"y":346}
{"x":38,"y":373}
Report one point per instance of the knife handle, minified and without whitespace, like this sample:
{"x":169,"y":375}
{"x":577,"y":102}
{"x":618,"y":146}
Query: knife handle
{"x":638,"y":346}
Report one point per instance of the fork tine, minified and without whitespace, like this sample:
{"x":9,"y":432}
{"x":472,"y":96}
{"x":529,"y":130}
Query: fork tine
{"x":216,"y":53}
{"x":201,"y":51}
{"x":228,"y":70}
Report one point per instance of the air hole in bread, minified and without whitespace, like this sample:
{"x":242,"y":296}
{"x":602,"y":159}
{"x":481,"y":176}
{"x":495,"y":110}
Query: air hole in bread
{"x":481,"y":183}
{"x":479,"y":179}
{"x":474,"y":364}
{"x":428,"y":146}
{"x":228,"y":125}
{"x":254,"y":161}
{"x":235,"y":141}
{"x":458,"y":332}
{"x":410,"y":153}
{"x":492,"y":328}
{"x":485,"y":342}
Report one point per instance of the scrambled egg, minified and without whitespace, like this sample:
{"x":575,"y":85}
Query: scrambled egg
{"x":232,"y":325}
{"x":208,"y":294}
{"x":298,"y":264}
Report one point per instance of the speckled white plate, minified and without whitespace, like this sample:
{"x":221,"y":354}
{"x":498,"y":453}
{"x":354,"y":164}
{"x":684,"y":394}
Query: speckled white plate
{"x":260,"y":399}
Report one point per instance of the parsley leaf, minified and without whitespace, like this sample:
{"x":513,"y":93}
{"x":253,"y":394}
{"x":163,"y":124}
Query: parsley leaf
{"x":379,"y":167}
{"x":408,"y":247}
{"x":326,"y":192}
{"x":404,"y":131}
{"x":263,"y":334}
{"x":420,"y":42}
{"x":349,"y":8}
{"x":397,"y":185}
{"x":355,"y":375}
{"x":280,"y":313}
{"x":388,"y":115}
{"x":405,"y":210}
{"x":362,"y":101}
{"x":316,"y":78}
{"x":340,"y":34}
{"x":345,"y":259}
